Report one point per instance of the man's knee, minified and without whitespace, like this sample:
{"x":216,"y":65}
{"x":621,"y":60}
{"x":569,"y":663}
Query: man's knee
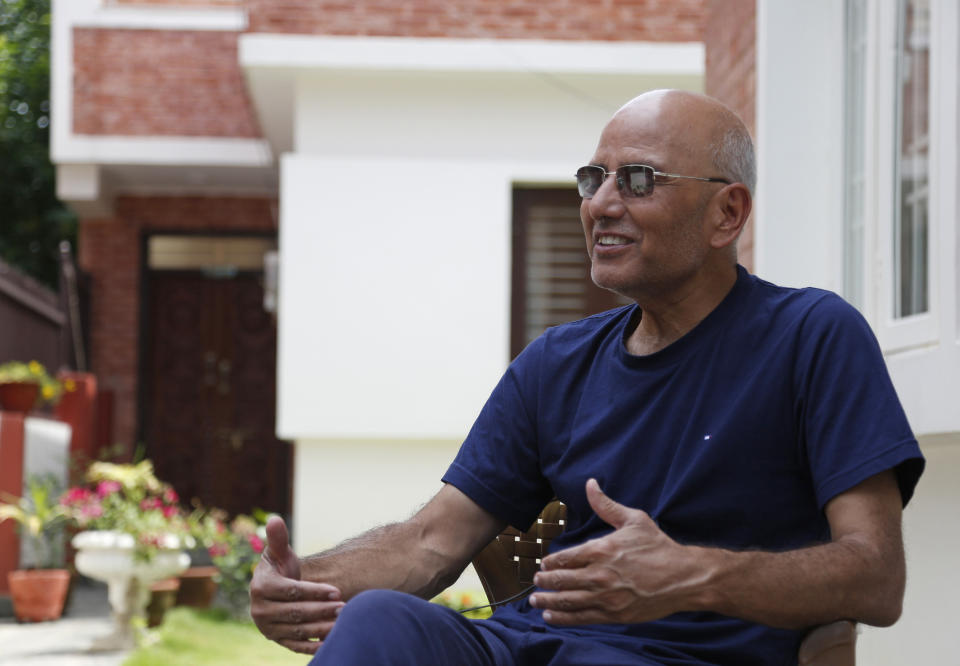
{"x":377,"y":627}
{"x":370,"y":605}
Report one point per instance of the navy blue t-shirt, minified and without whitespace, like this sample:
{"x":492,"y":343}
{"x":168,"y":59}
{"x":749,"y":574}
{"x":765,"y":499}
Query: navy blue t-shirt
{"x":736,"y":436}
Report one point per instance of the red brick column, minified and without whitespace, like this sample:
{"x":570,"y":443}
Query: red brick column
{"x":731,"y":73}
{"x":110,"y":253}
{"x":79,"y":409}
{"x":11,"y":483}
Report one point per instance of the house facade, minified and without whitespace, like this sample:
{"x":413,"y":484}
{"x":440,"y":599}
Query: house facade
{"x":857,"y":137}
{"x":388,"y":159}
{"x":317,"y":232}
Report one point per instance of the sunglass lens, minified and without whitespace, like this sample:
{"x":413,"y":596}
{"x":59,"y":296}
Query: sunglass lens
{"x":589,"y":180}
{"x":637,"y":178}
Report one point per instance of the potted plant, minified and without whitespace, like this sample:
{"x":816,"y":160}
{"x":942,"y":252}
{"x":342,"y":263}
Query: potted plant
{"x":134,"y":533}
{"x":38,"y":594}
{"x":234,"y":548}
{"x":25,"y":385}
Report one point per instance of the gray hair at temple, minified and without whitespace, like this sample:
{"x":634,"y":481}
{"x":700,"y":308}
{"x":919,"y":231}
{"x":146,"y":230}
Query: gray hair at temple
{"x":734,"y":157}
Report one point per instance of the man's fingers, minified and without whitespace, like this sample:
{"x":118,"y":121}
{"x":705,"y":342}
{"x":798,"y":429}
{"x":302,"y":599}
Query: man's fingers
{"x":281,"y":614}
{"x":570,"y":601}
{"x":571,"y":558}
{"x":277,"y":552}
{"x":294,"y":625}
{"x":611,"y":512}
{"x":303,"y":647}
{"x":278,"y":539}
{"x":589,"y":616}
{"x":301,"y":632}
{"x":271,"y":614}
{"x":583,"y":578}
{"x":287,"y":589}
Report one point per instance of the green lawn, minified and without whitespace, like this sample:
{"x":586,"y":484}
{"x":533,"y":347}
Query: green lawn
{"x":190,"y":637}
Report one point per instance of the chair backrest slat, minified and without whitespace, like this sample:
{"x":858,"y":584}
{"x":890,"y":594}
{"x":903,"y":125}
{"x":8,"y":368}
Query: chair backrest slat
{"x":507,"y":565}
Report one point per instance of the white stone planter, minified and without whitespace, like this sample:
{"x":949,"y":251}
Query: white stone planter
{"x":108,"y":556}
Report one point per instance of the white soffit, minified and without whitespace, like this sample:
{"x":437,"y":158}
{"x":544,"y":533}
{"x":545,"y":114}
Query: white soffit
{"x":470,"y":55}
{"x":163,"y":18}
{"x":272,"y":64}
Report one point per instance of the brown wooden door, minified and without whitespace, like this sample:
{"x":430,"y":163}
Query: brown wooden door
{"x":210,"y":392}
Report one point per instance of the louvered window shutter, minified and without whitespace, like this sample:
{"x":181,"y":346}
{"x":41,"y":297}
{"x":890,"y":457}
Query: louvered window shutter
{"x":551,"y":271}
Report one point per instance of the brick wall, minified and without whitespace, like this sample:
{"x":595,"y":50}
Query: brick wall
{"x":110,"y":251}
{"x":640,"y":20}
{"x":731,"y":73}
{"x":159,"y":82}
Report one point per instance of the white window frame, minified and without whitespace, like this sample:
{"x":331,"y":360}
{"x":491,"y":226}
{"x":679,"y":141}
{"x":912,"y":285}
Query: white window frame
{"x":923,"y":329}
{"x":856,"y":270}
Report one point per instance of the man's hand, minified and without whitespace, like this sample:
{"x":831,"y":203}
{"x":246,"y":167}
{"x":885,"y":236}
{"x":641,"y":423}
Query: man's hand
{"x":285,"y":608}
{"x":634,"y":574}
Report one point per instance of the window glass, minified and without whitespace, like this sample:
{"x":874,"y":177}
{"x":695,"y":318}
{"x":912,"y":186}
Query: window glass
{"x":911,"y":185}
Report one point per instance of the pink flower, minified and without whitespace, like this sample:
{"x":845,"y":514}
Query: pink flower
{"x":170,"y":496}
{"x":256,"y":543}
{"x":169,"y":511}
{"x":105,"y":488}
{"x":218,"y":550}
{"x":150,"y":540}
{"x":76,"y":495}
{"x":91,"y":511}
{"x":150,"y":503}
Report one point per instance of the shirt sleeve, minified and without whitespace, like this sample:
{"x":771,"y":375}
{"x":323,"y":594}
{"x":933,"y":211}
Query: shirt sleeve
{"x":498,"y":465}
{"x":853,"y":425}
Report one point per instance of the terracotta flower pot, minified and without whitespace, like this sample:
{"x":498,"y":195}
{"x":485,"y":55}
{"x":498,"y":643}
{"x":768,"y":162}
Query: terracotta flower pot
{"x":163,"y":594}
{"x":19,"y":396}
{"x":197,"y":587}
{"x":38,"y":594}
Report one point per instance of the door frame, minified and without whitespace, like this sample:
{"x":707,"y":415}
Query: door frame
{"x":145,"y":339}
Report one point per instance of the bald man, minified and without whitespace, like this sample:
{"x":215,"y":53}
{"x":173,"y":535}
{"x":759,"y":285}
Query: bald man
{"x":732,"y":454}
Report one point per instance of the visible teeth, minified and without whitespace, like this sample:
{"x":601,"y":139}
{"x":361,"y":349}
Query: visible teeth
{"x":611,"y":240}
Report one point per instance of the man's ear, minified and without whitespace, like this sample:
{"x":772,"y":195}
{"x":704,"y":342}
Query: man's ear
{"x":730,"y":209}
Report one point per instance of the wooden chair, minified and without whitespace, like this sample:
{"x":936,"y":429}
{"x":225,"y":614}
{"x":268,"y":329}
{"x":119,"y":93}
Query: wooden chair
{"x":507,"y":564}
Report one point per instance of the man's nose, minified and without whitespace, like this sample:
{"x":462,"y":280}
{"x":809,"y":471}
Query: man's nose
{"x":607,"y":201}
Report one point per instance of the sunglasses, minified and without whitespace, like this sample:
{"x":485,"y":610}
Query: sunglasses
{"x":633,"y":180}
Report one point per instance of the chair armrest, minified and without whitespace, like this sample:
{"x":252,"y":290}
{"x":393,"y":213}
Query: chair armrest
{"x":831,"y":644}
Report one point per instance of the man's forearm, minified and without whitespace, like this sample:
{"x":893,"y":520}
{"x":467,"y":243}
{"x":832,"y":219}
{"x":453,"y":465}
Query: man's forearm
{"x":396,"y":557}
{"x":422,"y":555}
{"x":802,"y":588}
{"x":859,"y":575}
{"x":638,"y":573}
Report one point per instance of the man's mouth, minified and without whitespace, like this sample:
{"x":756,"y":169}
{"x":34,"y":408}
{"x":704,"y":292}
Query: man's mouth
{"x":604,"y":239}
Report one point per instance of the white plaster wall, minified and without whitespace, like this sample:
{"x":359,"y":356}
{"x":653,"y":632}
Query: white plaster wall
{"x":799,"y":148}
{"x":350,"y":486}
{"x":927,"y":631}
{"x":346,"y":487}
{"x":393,"y":298}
